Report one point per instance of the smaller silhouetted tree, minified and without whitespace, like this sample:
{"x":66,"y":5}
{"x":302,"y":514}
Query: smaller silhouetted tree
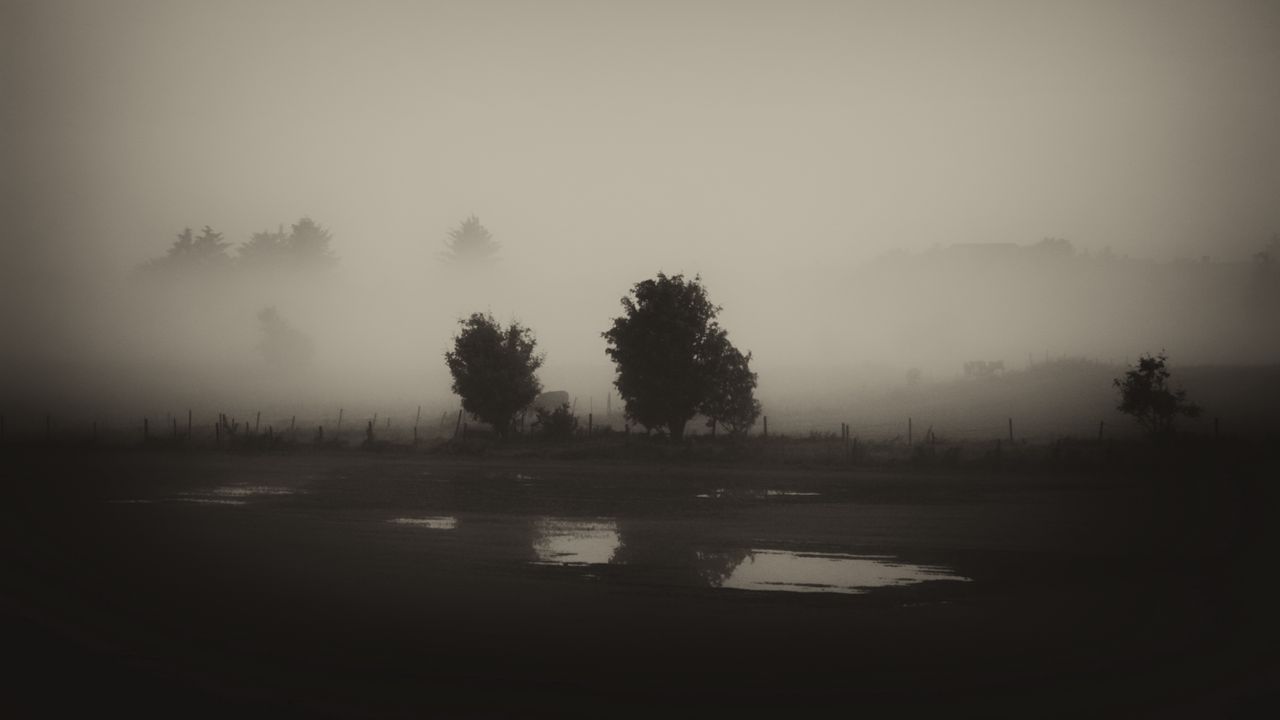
{"x":1145,"y":394}
{"x":470,"y":244}
{"x":494,"y":370}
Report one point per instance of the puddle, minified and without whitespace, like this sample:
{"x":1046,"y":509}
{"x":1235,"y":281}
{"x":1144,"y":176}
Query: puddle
{"x":209,"y":501}
{"x":754,"y":494}
{"x":233,"y":494}
{"x":576,"y":542}
{"x":441,"y":522}
{"x":239,"y":491}
{"x":827,"y":572}
{"x":525,"y":478}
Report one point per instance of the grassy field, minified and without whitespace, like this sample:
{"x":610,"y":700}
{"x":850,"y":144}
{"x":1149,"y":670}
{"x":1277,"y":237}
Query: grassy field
{"x":209,"y":583}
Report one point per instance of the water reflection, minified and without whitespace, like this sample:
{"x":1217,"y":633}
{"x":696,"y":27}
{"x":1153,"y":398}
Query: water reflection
{"x":240,"y":491}
{"x":576,"y":542}
{"x":753,"y":494}
{"x":827,"y":572}
{"x":439,"y":522}
{"x":233,"y":494}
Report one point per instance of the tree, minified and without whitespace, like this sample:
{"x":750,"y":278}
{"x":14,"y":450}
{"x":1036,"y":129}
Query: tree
{"x":673,"y":360}
{"x":188,"y":252}
{"x":493,"y":370}
{"x":265,"y":249}
{"x":731,"y":401}
{"x":283,"y":345}
{"x":308,"y":244}
{"x":1145,"y":394}
{"x":470,"y":244}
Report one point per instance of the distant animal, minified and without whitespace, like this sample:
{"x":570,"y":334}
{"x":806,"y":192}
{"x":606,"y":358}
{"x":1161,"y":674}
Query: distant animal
{"x":550,"y":400}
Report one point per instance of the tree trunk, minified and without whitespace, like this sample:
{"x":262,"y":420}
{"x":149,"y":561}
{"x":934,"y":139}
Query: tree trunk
{"x":677,"y":429}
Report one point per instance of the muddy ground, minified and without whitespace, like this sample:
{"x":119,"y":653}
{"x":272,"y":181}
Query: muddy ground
{"x":203,"y":583}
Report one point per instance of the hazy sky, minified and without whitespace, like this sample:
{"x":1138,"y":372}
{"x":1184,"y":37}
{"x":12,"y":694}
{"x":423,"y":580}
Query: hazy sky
{"x":760,"y":144}
{"x":649,"y":131}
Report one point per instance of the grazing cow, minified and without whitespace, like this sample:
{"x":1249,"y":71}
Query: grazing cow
{"x":550,"y":400}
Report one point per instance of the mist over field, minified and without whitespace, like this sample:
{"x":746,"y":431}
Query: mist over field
{"x":875,"y":193}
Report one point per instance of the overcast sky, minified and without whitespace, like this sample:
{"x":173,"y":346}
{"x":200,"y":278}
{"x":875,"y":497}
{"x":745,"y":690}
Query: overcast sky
{"x":649,"y":131}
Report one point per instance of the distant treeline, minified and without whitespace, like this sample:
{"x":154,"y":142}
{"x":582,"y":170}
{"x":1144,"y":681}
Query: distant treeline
{"x":305,"y":246}
{"x":1002,"y":301}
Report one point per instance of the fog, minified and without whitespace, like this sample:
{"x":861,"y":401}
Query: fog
{"x":864,"y":187}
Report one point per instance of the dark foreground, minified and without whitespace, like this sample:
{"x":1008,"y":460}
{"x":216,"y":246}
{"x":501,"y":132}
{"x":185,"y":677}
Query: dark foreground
{"x":280,"y":585}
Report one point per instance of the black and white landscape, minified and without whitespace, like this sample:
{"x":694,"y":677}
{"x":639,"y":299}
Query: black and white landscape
{"x":511,"y":359}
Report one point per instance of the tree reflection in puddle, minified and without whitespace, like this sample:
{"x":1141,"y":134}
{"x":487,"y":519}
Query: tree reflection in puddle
{"x":560,"y":541}
{"x":826,"y":572}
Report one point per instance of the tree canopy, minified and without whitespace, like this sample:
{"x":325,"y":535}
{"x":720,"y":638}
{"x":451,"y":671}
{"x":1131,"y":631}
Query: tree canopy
{"x":494,"y":370}
{"x":674,"y":360}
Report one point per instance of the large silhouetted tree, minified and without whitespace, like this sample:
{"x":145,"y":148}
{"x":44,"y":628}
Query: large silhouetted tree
{"x":1145,"y":394}
{"x":674,"y":360}
{"x":494,"y":370}
{"x":470,"y":244}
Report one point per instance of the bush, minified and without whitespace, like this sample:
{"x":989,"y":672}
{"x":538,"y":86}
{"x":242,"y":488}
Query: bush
{"x":557,"y":424}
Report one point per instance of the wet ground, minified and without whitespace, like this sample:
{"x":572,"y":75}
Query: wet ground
{"x":359,"y":585}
